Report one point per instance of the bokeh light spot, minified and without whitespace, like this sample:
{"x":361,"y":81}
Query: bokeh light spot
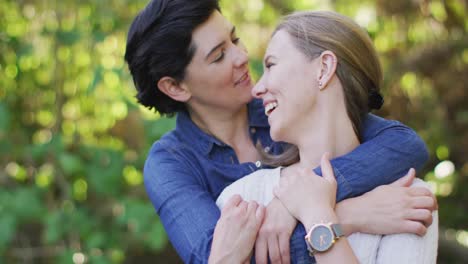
{"x":80,"y":190}
{"x":444,"y":169}
{"x":132,"y":176}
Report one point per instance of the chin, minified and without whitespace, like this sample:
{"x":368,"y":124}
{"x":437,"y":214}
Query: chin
{"x":276,"y":134}
{"x":249,"y":98}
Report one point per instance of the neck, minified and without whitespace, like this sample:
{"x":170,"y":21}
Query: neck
{"x":228,"y":127}
{"x":327,"y":130}
{"x":335,"y":137}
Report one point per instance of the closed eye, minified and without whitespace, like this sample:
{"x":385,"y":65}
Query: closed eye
{"x":220,"y":57}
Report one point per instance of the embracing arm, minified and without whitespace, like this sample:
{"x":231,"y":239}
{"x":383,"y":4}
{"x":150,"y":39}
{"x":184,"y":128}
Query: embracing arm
{"x":389,"y":209}
{"x":388,"y":150}
{"x":193,"y":222}
{"x":186,"y":210}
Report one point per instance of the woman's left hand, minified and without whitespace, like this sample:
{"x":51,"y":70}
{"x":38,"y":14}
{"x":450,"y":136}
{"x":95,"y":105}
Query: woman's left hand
{"x":308,"y":196}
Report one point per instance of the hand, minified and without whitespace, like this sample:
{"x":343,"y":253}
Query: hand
{"x":308,"y":196}
{"x":274,"y":235}
{"x":236,"y":230}
{"x":389,"y":209}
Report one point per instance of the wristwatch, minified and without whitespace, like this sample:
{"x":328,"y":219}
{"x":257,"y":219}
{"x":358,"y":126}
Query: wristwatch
{"x":321,"y":237}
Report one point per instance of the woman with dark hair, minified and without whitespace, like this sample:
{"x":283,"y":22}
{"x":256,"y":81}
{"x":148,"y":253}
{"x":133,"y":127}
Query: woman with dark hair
{"x":320,"y":70}
{"x":186,"y":58}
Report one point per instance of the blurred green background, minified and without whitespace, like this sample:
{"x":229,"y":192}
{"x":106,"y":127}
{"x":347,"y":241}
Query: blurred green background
{"x":73,"y":140}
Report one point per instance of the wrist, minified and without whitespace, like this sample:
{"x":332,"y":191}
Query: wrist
{"x":349,"y":216}
{"x":319,"y":215}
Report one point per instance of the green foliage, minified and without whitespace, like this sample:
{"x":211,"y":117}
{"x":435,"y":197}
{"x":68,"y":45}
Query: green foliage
{"x":73,"y":140}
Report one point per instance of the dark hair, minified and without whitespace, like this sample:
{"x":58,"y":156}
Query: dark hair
{"x":358,"y":69}
{"x":159,"y":43}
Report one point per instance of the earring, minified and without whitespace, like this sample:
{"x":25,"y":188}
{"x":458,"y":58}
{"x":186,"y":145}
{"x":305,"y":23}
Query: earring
{"x":320,"y":85}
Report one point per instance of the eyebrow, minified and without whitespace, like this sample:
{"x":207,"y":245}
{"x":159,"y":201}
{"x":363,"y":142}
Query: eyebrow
{"x":233,"y":30}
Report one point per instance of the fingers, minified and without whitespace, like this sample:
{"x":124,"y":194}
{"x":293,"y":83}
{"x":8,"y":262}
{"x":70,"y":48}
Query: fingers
{"x":429,"y":198}
{"x":232,"y":202}
{"x":284,"y":248}
{"x":252,"y":209}
{"x":435,"y":201}
{"x":260,"y":214}
{"x":273,"y":250}
{"x":261,"y":250}
{"x":414,"y":227}
{"x":243,"y":206}
{"x":420,"y":191}
{"x":327,"y":170}
{"x":422,"y":202}
{"x":406,"y":180}
{"x":422,"y":215}
{"x":256,"y":214}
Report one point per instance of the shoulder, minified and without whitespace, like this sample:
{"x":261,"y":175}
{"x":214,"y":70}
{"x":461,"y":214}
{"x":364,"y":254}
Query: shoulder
{"x":374,"y":122}
{"x":374,"y":125}
{"x":168,"y":160}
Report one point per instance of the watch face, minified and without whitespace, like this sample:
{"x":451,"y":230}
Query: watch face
{"x":321,"y":238}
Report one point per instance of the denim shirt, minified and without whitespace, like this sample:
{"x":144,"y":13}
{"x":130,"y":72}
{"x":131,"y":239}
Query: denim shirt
{"x":187,"y":169}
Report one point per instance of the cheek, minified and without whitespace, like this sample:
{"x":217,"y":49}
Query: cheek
{"x":217,"y":78}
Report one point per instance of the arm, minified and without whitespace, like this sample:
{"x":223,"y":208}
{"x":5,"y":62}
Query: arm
{"x":179,"y":201}
{"x":388,"y":150}
{"x":190,"y":216}
{"x":311,"y":200}
{"x":389,"y":209}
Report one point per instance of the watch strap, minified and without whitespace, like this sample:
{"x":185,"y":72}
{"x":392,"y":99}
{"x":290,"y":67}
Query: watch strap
{"x":337,"y":230}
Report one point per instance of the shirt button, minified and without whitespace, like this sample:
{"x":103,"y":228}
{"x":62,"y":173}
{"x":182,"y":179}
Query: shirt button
{"x":253,"y":130}
{"x":258,"y":164}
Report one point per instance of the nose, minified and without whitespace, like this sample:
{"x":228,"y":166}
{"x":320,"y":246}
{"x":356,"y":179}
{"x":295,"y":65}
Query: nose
{"x":259,"y":89}
{"x":241,"y":57}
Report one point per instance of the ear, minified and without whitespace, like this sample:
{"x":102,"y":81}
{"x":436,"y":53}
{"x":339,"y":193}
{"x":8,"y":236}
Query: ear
{"x":174,"y":89}
{"x":328,"y":63}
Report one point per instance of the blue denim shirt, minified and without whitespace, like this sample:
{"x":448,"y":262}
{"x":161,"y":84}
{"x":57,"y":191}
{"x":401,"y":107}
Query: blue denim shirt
{"x":187,"y":169}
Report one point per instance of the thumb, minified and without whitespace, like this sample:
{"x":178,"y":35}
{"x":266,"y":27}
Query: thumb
{"x":327,"y":170}
{"x":406,"y":180}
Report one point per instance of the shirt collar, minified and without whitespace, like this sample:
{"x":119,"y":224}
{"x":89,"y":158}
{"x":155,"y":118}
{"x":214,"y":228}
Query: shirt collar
{"x":203,"y":142}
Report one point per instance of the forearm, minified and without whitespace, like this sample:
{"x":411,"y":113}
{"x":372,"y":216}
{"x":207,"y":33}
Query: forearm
{"x":348,"y":216}
{"x":178,"y":200}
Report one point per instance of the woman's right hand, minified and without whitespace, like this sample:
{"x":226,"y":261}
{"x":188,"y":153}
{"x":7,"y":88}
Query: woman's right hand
{"x":309,"y":197}
{"x":236,"y":231}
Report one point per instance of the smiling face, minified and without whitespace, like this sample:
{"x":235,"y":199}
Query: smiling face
{"x":218,"y":77}
{"x":288,"y":86}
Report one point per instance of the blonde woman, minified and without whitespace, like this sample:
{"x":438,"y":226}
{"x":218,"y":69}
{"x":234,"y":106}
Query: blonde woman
{"x":321,"y":77}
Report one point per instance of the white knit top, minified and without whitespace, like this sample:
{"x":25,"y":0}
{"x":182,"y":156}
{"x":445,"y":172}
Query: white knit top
{"x":380,"y":249}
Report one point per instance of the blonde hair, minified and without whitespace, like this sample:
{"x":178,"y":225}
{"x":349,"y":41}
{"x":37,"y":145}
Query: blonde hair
{"x":358,"y":67}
